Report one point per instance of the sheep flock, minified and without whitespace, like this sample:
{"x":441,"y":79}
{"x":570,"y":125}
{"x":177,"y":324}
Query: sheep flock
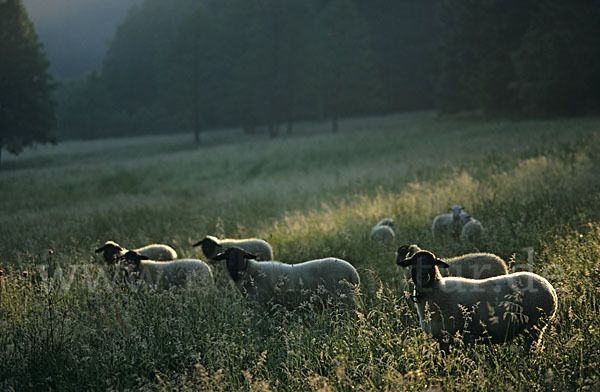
{"x":465,"y":299}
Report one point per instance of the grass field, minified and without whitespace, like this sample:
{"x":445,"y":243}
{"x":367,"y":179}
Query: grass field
{"x":535,"y":185}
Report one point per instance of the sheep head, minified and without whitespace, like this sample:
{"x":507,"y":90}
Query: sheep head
{"x":112,"y":252}
{"x":133,"y":257}
{"x":423,"y":268}
{"x":401,"y":254}
{"x":237,"y":261}
{"x":210,"y":246}
{"x":388,"y":222}
{"x":456,"y":210}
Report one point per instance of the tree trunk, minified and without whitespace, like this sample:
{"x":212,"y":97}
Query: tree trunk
{"x":196,"y":100}
{"x":290,"y":118}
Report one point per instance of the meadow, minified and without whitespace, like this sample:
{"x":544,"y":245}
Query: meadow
{"x":535,"y":185}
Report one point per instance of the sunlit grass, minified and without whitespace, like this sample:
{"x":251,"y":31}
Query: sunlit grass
{"x":534,"y":186}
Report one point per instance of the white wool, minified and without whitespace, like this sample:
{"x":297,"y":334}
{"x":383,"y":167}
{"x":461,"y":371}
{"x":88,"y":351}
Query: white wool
{"x":291,"y":284}
{"x":169,"y":273}
{"x":384,"y":231}
{"x":211,"y":246}
{"x":495,"y":309}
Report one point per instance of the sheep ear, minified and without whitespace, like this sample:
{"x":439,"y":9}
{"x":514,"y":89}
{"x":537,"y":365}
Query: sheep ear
{"x":405,"y":262}
{"x":198,"y":243}
{"x":440,"y":263}
{"x":219,"y":257}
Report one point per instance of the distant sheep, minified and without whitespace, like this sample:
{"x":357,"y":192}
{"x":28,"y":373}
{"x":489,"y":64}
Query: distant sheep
{"x":212,"y":246}
{"x":273,"y":282}
{"x":112,"y":252}
{"x":168,"y":273}
{"x":471,"y":265}
{"x":472,"y":230}
{"x":384,"y":231}
{"x":448,"y":224}
{"x":492,"y":310}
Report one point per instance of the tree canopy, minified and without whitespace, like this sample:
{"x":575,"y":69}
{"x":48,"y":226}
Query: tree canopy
{"x":27,"y":112}
{"x":198,"y":64}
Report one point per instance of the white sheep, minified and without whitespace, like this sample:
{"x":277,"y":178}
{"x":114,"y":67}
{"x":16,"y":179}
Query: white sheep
{"x":212,"y":246}
{"x":472,"y":229}
{"x":273,"y":282}
{"x":112,"y":252}
{"x":492,"y":310}
{"x":471,"y":265}
{"x":168,"y":274}
{"x":384,"y":231}
{"x":448,"y":224}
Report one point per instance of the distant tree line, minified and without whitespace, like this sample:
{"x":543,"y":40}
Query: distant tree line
{"x":519,"y":57}
{"x":265,"y":64}
{"x":261,"y":64}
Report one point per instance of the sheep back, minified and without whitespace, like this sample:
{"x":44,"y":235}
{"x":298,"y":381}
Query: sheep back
{"x":475,"y":266}
{"x":472,"y":230}
{"x":174,"y":273}
{"x":260,"y":248}
{"x":382,"y":234}
{"x":211,"y":246}
{"x":443,"y":225}
{"x":292,"y":284}
{"x":158,"y":252}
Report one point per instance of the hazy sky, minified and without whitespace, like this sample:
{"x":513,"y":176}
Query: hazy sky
{"x":76,"y":33}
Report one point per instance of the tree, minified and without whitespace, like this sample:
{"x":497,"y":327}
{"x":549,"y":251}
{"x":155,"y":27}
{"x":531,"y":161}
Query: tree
{"x":477,"y":40}
{"x":344,"y":67}
{"x":27,"y":113}
{"x":558,"y":61}
{"x":193,"y":69}
{"x":132,"y":65}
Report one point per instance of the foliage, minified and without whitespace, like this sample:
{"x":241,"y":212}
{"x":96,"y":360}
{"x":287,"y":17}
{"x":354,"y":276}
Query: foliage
{"x":558,"y":61}
{"x":26,"y":108}
{"x":132,"y":66}
{"x":343,"y":59}
{"x":193,"y":68}
{"x":533,"y":184}
{"x":519,"y":57}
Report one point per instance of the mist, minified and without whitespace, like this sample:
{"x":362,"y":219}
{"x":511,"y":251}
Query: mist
{"x":76,"y":34}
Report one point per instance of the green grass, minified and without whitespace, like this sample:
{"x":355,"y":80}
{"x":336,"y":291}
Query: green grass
{"x":533,"y":184}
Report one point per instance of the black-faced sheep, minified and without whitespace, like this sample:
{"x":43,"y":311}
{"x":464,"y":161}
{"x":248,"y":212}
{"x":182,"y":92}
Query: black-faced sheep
{"x":112,"y":252}
{"x":272,"y":282}
{"x":212,"y":246}
{"x":167,"y":274}
{"x":492,"y":310}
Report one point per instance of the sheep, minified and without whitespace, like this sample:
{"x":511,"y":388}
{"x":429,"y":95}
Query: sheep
{"x":471,"y":230}
{"x":112,"y":252}
{"x":492,"y":310}
{"x":273,"y":282}
{"x":167,"y":274}
{"x":384,"y":231}
{"x":471,"y":265}
{"x":212,"y":246}
{"x":448,"y":224}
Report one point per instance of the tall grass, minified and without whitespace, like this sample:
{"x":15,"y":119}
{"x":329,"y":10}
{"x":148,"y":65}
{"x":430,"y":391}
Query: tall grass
{"x":534,"y":185}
